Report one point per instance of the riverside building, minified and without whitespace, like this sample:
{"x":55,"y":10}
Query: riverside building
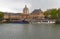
{"x":36,"y":14}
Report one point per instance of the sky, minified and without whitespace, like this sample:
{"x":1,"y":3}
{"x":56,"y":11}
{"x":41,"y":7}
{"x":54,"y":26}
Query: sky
{"x":17,"y":6}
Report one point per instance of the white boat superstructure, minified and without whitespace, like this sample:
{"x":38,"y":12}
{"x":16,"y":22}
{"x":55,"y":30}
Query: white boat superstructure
{"x":44,"y":22}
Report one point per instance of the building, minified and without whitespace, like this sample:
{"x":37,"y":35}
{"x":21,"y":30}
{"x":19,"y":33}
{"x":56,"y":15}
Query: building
{"x":36,"y":14}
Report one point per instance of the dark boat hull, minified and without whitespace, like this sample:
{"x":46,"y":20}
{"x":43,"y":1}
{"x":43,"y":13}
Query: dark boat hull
{"x":21,"y":22}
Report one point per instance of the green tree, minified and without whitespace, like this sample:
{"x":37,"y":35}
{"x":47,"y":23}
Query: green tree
{"x":47,"y":13}
{"x":51,"y":13}
{"x":58,"y":13}
{"x":1,"y":16}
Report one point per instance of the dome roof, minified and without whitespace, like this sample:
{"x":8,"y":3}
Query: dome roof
{"x":37,"y":11}
{"x":25,"y":8}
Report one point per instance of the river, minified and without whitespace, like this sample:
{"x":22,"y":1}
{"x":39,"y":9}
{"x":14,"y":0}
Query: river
{"x":29,"y":31}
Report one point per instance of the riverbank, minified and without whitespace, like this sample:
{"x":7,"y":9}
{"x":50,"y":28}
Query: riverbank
{"x":34,"y":22}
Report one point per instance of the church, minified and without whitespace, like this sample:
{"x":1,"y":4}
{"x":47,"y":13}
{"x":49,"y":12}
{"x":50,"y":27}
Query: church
{"x":36,"y":14}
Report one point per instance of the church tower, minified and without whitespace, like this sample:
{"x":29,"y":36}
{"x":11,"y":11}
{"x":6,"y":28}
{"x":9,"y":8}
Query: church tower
{"x":25,"y":10}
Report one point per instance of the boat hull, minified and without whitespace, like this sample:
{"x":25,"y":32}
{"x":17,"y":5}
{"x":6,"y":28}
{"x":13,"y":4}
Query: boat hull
{"x":20,"y":22}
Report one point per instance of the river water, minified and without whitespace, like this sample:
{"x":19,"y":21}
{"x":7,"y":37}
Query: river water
{"x":29,"y":31}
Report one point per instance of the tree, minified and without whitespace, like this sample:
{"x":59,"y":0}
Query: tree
{"x":1,"y":16}
{"x":51,"y":13}
{"x":58,"y":13}
{"x":47,"y":13}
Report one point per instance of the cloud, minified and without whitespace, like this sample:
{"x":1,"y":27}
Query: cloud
{"x":13,"y":5}
{"x":45,"y":4}
{"x":18,"y":5}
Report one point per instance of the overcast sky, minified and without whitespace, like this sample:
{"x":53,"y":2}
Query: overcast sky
{"x":18,"y":5}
